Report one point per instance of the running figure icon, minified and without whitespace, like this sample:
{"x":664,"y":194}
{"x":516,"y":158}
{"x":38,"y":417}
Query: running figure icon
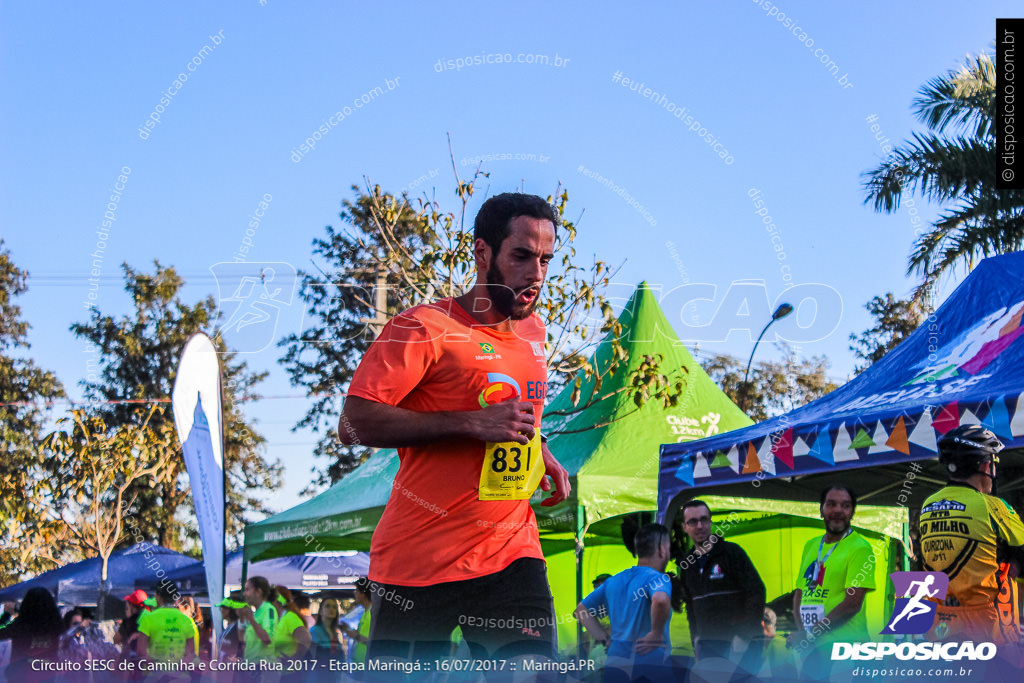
{"x":915,"y":605}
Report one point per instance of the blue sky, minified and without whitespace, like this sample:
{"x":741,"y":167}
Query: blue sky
{"x":80,"y":80}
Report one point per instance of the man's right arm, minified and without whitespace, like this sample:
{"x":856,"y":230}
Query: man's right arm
{"x":661,"y":610}
{"x":584,"y":615}
{"x":369,"y":423}
{"x":799,"y":622}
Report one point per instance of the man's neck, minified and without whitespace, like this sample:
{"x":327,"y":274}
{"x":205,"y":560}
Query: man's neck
{"x":704,"y":547}
{"x":478,"y":304}
{"x":834,"y":538}
{"x":652,"y":562}
{"x":978,"y":482}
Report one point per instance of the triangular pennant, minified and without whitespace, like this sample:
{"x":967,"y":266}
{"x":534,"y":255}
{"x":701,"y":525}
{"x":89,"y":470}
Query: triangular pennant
{"x":898,"y":439}
{"x":998,"y":420}
{"x":765,"y":455}
{"x":969,"y":418}
{"x":752,"y":464}
{"x":881,"y":439}
{"x":684,"y":472}
{"x":822,"y":448}
{"x":923,"y":435}
{"x":842,"y":451}
{"x":947,"y":419}
{"x":1017,"y":423}
{"x":721,"y":460}
{"x":862,"y":439}
{"x":700,"y":467}
{"x":783,"y":448}
{"x":800,"y":447}
{"x":734,"y":459}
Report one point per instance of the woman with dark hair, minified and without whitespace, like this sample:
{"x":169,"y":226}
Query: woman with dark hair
{"x":230,"y":644}
{"x":34,"y":635}
{"x":260,"y":620}
{"x":291,"y":638}
{"x":187,"y":606}
{"x":328,"y":640}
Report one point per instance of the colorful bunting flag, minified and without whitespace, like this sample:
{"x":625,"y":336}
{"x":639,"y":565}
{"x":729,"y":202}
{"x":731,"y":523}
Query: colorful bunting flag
{"x":923,"y":434}
{"x":752,"y":464}
{"x":862,"y":439}
{"x":700,"y":467}
{"x":842,"y":452}
{"x":947,"y":419}
{"x":822,"y":448}
{"x":721,"y":460}
{"x":1017,"y":423}
{"x":898,"y":439}
{"x":998,"y":420}
{"x":684,"y":472}
{"x":765,"y":456}
{"x":734,"y":459}
{"x":880,"y":439}
{"x":783,"y":448}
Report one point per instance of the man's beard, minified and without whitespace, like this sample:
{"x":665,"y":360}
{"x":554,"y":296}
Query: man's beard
{"x":830,"y":524}
{"x":504,"y":298}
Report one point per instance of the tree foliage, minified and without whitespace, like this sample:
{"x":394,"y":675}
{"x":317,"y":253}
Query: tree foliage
{"x":954,"y":164}
{"x":774,"y":387}
{"x":27,"y":542}
{"x":96,"y":474}
{"x":138,"y":361}
{"x":392,"y":253}
{"x":895,"y":320}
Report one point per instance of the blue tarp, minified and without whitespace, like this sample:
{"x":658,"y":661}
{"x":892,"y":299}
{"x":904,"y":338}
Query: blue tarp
{"x":964,"y":364}
{"x":78,"y":583}
{"x":315,"y":572}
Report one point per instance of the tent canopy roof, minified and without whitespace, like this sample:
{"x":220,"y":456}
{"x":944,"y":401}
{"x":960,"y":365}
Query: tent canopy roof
{"x":79,"y":581}
{"x":965,"y":364}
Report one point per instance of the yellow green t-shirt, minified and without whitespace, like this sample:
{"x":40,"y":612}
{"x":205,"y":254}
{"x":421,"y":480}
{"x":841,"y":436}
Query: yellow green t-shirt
{"x":266,"y":616}
{"x":850,"y":563}
{"x":284,"y":642}
{"x":168,"y":631}
{"x":364,"y":630}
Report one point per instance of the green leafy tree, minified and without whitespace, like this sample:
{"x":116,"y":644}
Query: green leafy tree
{"x":895,"y":320}
{"x":774,"y":387}
{"x":27,"y":543}
{"x":395,"y":252}
{"x":96,"y":473}
{"x":138,"y":361}
{"x":954,"y":164}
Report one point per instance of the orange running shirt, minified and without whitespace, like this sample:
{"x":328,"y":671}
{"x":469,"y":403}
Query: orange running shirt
{"x":432,"y":358}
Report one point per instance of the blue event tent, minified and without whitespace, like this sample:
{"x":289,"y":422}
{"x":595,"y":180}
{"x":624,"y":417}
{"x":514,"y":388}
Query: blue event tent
{"x":964,"y":364}
{"x":78,"y":583}
{"x":314,"y":572}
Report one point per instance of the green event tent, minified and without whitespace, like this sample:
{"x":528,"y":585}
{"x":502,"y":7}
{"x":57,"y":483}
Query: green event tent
{"x":608,"y":445}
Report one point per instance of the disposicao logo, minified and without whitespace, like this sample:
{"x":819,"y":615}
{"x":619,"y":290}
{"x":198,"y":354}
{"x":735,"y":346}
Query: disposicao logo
{"x":499,"y":388}
{"x":914,"y":613}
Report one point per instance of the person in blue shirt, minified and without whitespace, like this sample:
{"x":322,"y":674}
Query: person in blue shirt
{"x":639,"y":606}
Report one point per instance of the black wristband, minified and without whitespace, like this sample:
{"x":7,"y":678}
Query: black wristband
{"x":543,"y":437}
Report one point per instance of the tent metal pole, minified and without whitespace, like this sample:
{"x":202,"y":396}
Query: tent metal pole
{"x":580,"y":531}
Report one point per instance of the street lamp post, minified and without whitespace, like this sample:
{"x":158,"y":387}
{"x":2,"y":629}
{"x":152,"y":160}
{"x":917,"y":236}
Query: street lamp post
{"x":781,"y":312}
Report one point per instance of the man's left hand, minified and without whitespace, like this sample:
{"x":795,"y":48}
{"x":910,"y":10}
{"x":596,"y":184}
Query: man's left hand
{"x":554,"y":469}
{"x":648,"y":643}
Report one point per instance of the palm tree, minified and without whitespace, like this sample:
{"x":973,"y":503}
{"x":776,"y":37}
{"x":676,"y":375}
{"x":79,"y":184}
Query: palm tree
{"x":954,"y":164}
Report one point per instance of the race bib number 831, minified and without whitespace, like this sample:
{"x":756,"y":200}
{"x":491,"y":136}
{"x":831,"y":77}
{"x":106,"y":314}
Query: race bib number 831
{"x":511,"y":471}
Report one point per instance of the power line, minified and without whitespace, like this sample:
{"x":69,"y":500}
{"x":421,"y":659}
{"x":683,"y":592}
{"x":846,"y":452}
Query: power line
{"x":148,"y":401}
